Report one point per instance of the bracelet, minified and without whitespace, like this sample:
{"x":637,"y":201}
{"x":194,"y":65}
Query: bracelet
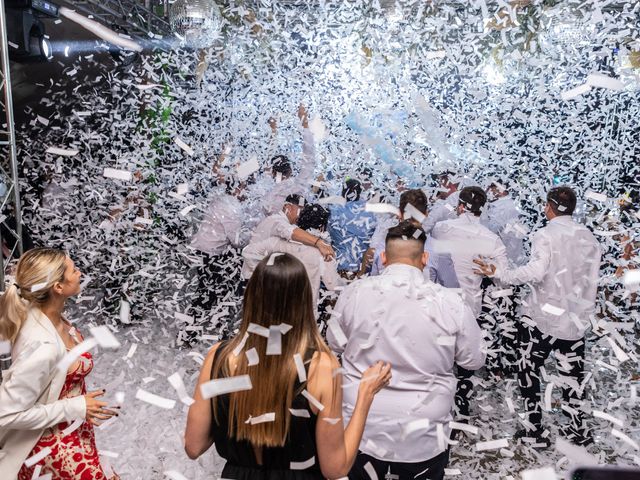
{"x":317,"y":240}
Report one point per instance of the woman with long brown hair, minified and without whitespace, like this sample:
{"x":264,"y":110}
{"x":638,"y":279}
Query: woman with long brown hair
{"x":271,"y":397}
{"x":42,"y":406}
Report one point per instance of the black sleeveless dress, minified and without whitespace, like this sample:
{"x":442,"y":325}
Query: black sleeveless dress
{"x":300,"y":445}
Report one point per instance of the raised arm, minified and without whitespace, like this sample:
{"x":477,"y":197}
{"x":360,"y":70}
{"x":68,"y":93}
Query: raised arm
{"x":308,"y":163}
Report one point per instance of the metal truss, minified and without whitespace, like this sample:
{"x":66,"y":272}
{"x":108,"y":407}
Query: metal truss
{"x":138,"y":20}
{"x":10,"y":208}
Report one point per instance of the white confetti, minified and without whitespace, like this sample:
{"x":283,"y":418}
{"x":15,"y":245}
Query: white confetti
{"x":156,"y":400}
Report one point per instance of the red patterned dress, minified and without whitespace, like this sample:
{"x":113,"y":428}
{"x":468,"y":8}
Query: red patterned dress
{"x":73,"y":456}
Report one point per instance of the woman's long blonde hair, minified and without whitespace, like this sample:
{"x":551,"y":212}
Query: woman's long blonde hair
{"x":278,"y":292}
{"x":40,"y":268}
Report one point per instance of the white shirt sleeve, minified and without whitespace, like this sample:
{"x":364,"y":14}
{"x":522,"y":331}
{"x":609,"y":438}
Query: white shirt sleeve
{"x":535,"y":270}
{"x":282,"y":228}
{"x":470,"y":346}
{"x":24,"y":383}
{"x":338,"y":325}
{"x":308,"y":164}
{"x":329,"y":274}
{"x":253,"y":254}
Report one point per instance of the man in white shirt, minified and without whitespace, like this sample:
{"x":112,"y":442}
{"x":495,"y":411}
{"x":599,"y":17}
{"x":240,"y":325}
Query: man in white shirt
{"x":220,"y":234}
{"x":446,"y":202}
{"x":465,"y":238}
{"x":563,"y":273}
{"x":283,"y":225}
{"x":422,"y":329}
{"x":275,"y":188}
{"x":413,"y":206}
{"x":503,"y":218}
{"x":313,"y":218}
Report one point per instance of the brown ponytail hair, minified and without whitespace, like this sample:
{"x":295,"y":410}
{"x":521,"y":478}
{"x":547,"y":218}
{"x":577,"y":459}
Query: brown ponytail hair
{"x":39,"y":267}
{"x":278,"y":292}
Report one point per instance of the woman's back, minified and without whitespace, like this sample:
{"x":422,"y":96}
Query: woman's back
{"x":296,"y":459}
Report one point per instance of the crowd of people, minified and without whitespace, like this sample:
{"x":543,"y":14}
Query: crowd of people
{"x":362,"y":331}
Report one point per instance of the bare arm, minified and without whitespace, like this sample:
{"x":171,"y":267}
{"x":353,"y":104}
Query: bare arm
{"x":197,"y":436}
{"x":337,"y":446}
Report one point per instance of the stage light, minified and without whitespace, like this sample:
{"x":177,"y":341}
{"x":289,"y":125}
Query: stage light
{"x":26,"y":32}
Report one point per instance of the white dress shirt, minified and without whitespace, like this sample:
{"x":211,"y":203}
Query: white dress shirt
{"x":276,"y":193}
{"x":30,"y":392}
{"x":313,"y":261}
{"x":442,"y":210}
{"x":422,"y":329}
{"x":276,"y":225}
{"x":465,"y":239}
{"x":221,"y":226}
{"x":563,"y":273}
{"x":502,"y":217}
{"x":439,"y":268}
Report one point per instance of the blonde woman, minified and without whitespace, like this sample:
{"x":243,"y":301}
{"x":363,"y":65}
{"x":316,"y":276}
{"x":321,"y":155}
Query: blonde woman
{"x":38,"y":401}
{"x":289,"y":424}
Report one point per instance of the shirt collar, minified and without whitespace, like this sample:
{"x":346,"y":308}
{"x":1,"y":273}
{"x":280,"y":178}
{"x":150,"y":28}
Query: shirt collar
{"x":404,"y":270}
{"x":470,"y":217}
{"x":562,"y":219}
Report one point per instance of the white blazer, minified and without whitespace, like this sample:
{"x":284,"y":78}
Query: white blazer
{"x":30,"y":391}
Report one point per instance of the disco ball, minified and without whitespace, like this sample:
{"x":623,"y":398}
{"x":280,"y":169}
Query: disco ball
{"x":196,"y":22}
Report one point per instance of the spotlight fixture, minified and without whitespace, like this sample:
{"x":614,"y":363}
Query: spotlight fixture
{"x":26,"y":32}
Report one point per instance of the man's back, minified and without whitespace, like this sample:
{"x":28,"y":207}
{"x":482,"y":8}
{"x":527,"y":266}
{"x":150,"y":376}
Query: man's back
{"x":221,"y":225}
{"x":421,"y":329}
{"x":503,"y":218}
{"x":567,"y":278}
{"x":464,"y":238}
{"x":311,"y":258}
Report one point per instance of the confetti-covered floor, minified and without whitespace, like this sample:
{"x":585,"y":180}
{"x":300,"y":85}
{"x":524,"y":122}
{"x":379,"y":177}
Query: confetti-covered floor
{"x":148,"y":440}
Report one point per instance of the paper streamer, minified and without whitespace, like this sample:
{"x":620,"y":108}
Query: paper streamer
{"x":104,"y":337}
{"x":223,"y":386}
{"x":302,"y":373}
{"x":492,"y":445}
{"x":73,"y":354}
{"x":176,"y":382}
{"x":61,"y":151}
{"x":31,"y":461}
{"x":252,"y":357}
{"x":303,"y":465}
{"x":117,"y":174}
{"x":156,"y":400}
{"x":312,"y":400}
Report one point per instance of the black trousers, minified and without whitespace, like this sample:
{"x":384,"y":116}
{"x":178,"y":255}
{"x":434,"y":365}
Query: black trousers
{"x":432,"y":469}
{"x":535,"y":348}
{"x":218,"y":276}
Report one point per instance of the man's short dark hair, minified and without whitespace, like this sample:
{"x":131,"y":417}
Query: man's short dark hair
{"x":313,"y":216}
{"x":414,"y":197}
{"x":296,"y":199}
{"x":281,"y":164}
{"x":562,"y":200}
{"x":473,"y":199}
{"x":352,"y":190}
{"x":406,"y":230}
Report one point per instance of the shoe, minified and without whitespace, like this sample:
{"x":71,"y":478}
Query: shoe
{"x":533,"y":438}
{"x":457,"y":435}
{"x":577,"y":436}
